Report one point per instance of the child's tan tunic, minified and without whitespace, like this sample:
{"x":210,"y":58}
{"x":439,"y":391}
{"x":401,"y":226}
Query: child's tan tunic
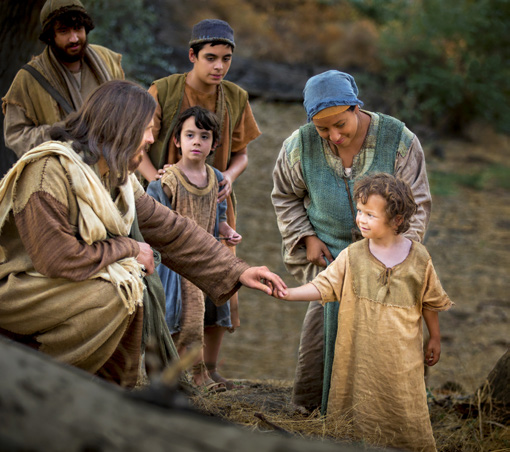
{"x":199,"y":204}
{"x":378,"y":371}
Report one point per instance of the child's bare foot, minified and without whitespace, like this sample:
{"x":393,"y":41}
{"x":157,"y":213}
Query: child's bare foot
{"x":213,"y":372}
{"x":204,"y":381}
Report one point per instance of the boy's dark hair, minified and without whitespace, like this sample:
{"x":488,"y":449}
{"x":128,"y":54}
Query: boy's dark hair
{"x":198,"y":47}
{"x":396,"y":192}
{"x":204,"y":119}
{"x":69,"y":19}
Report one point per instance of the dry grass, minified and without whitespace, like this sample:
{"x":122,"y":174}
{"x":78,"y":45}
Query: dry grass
{"x":266,"y":406}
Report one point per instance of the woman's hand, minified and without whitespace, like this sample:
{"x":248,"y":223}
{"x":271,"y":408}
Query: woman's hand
{"x":316,"y":251}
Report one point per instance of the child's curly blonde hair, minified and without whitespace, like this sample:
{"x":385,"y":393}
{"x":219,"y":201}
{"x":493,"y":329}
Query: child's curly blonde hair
{"x":399,"y":198}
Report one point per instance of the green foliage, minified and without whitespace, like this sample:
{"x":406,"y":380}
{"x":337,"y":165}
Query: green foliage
{"x":492,"y":177}
{"x":448,"y":62}
{"x":129,"y":28}
{"x":380,"y":11}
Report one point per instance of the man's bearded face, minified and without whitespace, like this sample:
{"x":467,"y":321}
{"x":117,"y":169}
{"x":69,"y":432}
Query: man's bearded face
{"x":69,"y":43}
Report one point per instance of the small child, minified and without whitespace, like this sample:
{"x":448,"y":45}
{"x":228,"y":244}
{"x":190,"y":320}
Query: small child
{"x":191,"y":188}
{"x":385,"y":284}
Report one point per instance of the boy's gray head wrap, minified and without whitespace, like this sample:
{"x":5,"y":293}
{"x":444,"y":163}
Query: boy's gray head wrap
{"x":329,"y":89}
{"x":210,"y":30}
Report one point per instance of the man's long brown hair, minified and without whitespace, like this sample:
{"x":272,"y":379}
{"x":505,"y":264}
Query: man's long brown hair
{"x":110,"y":124}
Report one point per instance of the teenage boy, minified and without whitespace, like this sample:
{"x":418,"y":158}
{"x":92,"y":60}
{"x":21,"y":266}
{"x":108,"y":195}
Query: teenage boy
{"x":211,"y":48}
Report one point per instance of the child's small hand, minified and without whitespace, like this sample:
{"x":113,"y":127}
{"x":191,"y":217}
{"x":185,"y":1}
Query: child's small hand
{"x":433,"y":351}
{"x":231,"y":237}
{"x":162,"y":171}
{"x":279,"y":294}
{"x":234,"y":239}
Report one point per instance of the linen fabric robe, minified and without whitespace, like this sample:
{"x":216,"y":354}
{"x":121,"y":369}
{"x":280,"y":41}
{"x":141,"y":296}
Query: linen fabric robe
{"x":82,"y":321}
{"x":377,"y":380}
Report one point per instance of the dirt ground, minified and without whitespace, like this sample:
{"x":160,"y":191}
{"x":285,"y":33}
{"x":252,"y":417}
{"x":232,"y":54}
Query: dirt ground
{"x":468,"y":238}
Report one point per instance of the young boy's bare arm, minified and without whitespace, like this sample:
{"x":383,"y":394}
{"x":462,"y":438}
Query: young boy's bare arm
{"x":433,"y":351}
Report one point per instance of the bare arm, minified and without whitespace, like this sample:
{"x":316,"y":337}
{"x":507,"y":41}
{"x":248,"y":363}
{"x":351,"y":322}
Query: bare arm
{"x":433,"y":351}
{"x":237,"y":165}
{"x":307,"y":292}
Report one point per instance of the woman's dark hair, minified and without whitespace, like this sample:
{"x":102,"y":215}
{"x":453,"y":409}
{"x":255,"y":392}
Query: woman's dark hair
{"x":111,"y":124}
{"x":204,"y":119}
{"x":397,"y":194}
{"x":71,"y":19}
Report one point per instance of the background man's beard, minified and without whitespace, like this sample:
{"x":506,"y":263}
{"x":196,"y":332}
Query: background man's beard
{"x":62,"y":55}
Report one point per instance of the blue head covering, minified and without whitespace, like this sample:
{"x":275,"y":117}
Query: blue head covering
{"x":329,"y":89}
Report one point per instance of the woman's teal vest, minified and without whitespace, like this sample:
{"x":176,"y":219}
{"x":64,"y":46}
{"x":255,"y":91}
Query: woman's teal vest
{"x":329,"y":211}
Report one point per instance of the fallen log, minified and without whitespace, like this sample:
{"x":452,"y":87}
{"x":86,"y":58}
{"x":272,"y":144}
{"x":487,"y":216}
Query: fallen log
{"x":48,"y":406}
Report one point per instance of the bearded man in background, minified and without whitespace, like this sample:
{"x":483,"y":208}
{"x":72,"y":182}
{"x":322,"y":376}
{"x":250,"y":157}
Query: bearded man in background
{"x":66,"y":72}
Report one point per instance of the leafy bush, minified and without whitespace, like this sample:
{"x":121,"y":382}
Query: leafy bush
{"x":131,"y":31}
{"x":448,"y":62}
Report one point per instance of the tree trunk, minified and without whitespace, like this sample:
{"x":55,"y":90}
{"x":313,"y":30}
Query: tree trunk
{"x":19,"y":33}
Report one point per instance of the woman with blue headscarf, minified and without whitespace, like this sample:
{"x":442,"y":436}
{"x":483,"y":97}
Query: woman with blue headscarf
{"x":312,"y":196}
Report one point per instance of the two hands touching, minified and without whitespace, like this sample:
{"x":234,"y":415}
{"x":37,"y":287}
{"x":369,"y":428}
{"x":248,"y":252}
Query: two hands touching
{"x":262,"y":279}
{"x":259,"y":278}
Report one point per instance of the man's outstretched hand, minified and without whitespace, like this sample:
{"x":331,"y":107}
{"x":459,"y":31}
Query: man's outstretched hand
{"x":262,"y":279}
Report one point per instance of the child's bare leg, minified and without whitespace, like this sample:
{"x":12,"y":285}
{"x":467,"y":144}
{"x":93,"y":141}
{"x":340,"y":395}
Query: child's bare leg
{"x":213,"y":337}
{"x":192,"y":333}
